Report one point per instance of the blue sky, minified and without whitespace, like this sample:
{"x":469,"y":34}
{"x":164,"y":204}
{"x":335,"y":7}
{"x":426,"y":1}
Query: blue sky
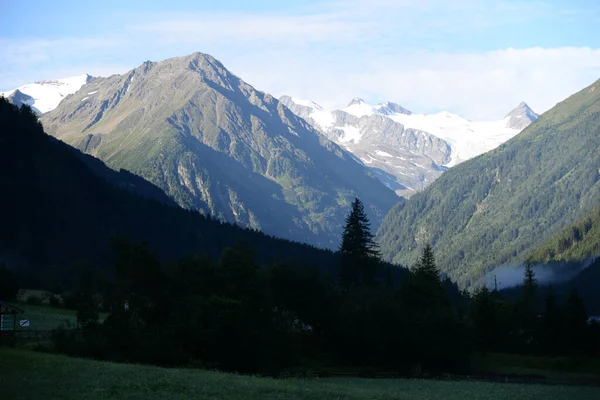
{"x":474,"y":57}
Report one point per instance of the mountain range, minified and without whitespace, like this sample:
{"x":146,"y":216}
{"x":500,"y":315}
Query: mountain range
{"x":406,"y":154}
{"x":484,"y":193}
{"x":408,"y":151}
{"x":215,"y":144}
{"x":497,"y":208}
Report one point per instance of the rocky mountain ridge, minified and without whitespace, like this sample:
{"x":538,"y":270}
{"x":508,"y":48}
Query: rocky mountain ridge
{"x":215,"y":144}
{"x":408,"y":151}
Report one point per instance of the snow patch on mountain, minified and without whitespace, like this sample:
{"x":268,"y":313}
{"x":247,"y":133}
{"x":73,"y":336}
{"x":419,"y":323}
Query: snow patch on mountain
{"x":383,"y":154}
{"x":467,"y":138}
{"x":408,"y":151}
{"x":46,"y":95}
{"x":351,"y":134}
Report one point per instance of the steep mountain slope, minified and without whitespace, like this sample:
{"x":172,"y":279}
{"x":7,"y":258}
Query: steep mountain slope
{"x":214,"y":143}
{"x":496,"y":208}
{"x":408,"y":151}
{"x":44,"y":96}
{"x":60,"y":206}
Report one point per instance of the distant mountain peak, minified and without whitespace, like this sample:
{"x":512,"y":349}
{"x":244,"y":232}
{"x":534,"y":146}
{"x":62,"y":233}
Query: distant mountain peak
{"x":294,"y":103}
{"x":83,"y":79}
{"x":201,"y":60}
{"x":521,"y":116}
{"x":389,"y":108}
{"x":356,"y":100}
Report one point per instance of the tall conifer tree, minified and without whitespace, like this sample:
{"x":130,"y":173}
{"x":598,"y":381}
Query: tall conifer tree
{"x":359,"y":252}
{"x":426,"y":263}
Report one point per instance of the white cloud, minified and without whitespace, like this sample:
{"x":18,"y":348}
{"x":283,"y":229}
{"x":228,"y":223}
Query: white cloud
{"x":27,"y":60}
{"x":250,"y":28}
{"x":476,"y":85}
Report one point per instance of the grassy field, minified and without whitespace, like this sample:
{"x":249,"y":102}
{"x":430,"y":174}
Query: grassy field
{"x":44,"y":318}
{"x":31,"y":375}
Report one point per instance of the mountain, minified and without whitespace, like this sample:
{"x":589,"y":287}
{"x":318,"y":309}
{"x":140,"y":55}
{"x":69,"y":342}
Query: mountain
{"x":408,"y":151}
{"x":405,"y":160}
{"x":44,"y":96}
{"x":19,"y":98}
{"x":497,"y":208}
{"x":521,"y":116}
{"x":60,"y":206}
{"x":215,"y":144}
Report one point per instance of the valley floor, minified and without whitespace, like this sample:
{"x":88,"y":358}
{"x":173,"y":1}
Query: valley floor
{"x":32,"y":375}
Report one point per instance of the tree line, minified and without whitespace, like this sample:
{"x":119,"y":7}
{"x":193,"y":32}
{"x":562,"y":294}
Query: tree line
{"x":235,"y":314}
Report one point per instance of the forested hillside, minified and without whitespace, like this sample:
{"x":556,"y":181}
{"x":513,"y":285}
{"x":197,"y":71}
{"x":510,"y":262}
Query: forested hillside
{"x":496,"y":208}
{"x":577,"y":242}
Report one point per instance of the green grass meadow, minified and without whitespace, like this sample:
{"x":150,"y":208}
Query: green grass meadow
{"x":46,"y":318}
{"x":33,"y":375}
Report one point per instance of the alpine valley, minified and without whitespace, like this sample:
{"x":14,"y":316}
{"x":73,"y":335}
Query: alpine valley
{"x":408,"y":151}
{"x":483,"y":193}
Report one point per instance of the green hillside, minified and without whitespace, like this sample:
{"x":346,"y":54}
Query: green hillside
{"x":577,"y":242}
{"x":496,"y":208}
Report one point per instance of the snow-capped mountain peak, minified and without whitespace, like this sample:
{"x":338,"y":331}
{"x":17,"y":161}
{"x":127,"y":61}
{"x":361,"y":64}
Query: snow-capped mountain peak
{"x":356,"y":101}
{"x":520,"y":116}
{"x":307,"y":103}
{"x":44,"y":96}
{"x":422,"y":145}
{"x":389,"y":108}
{"x":359,"y":108}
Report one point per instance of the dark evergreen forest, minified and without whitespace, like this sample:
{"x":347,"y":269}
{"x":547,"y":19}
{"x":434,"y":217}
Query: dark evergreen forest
{"x":182,"y":289}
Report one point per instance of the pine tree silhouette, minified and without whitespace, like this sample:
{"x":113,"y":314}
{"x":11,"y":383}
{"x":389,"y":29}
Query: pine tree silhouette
{"x":359,"y":252}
